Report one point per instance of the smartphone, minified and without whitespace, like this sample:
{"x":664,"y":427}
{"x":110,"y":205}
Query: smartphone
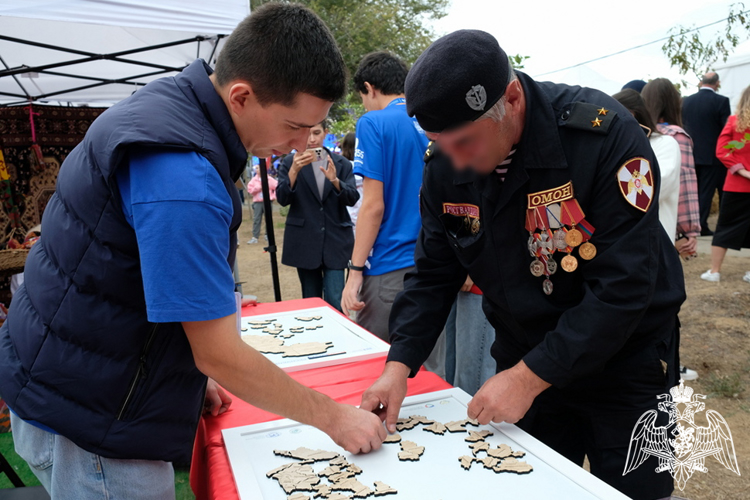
{"x":320,"y":158}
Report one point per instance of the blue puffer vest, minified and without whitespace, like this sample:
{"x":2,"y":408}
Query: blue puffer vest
{"x":77,"y":352}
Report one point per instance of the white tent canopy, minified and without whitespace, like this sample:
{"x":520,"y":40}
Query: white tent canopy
{"x":735,"y":73}
{"x":96,"y":52}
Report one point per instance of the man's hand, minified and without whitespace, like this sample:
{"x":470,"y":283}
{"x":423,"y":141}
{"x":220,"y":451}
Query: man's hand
{"x":356,"y":430}
{"x":217,"y":401}
{"x":385,"y":396}
{"x":350,"y":297}
{"x":331,"y":174}
{"x":467,"y":284}
{"x":507,"y":396}
{"x":301,"y":158}
{"x":744,"y":173}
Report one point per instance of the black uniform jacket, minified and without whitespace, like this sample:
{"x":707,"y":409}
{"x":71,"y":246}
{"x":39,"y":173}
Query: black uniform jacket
{"x":623,"y":301}
{"x":704,"y":115}
{"x":318,"y":231}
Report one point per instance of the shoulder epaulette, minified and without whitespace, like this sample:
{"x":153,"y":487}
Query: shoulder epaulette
{"x":430,"y":153}
{"x":587,"y":116}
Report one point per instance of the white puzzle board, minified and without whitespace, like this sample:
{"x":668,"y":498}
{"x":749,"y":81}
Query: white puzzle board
{"x":348,"y":341}
{"x":438,"y":473}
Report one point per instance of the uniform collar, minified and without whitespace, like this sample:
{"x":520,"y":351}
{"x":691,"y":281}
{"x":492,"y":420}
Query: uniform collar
{"x":540,"y":145}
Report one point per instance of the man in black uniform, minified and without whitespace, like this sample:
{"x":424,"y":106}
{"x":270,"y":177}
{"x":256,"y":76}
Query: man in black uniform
{"x":547,"y":196}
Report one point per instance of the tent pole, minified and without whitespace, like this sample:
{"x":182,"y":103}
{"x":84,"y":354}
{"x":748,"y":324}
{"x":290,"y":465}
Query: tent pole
{"x":271,"y":248}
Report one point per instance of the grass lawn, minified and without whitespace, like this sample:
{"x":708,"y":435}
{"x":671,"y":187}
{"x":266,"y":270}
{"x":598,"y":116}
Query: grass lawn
{"x":181,"y":476}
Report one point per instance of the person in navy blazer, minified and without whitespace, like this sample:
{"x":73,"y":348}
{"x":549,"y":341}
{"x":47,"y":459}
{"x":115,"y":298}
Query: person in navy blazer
{"x":318,"y":239}
{"x":704,"y":115}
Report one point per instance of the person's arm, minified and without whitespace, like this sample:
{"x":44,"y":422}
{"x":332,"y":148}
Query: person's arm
{"x":724,"y":113}
{"x":254,"y":187}
{"x":688,"y":210}
{"x":732,"y":158}
{"x":419,"y":312}
{"x":342,"y":178}
{"x":284,"y":191}
{"x":368,"y":225}
{"x":220,"y":354}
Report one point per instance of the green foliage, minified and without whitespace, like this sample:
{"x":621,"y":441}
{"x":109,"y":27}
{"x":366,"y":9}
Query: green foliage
{"x":693,"y":54}
{"x":360,"y":27}
{"x":517,"y":61}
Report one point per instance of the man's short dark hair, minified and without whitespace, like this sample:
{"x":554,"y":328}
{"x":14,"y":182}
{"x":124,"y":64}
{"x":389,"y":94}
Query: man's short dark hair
{"x":282,"y":50}
{"x":382,"y":70}
{"x":710,"y":79}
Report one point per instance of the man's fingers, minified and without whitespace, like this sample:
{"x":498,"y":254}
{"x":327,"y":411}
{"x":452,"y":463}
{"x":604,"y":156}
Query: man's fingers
{"x":484,"y":417}
{"x":391,"y":416}
{"x":370,"y":402}
{"x":473,"y":409}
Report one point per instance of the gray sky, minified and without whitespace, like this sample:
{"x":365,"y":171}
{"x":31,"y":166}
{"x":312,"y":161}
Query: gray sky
{"x":556,"y":34}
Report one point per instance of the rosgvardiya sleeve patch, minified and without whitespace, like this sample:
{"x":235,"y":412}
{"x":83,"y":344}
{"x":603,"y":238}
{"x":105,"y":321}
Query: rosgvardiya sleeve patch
{"x":636,"y":181}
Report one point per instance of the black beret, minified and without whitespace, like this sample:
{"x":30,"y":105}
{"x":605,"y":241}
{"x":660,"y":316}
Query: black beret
{"x":456,"y":80}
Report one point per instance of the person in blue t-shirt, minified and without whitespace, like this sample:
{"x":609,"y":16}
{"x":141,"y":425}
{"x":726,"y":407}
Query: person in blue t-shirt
{"x":389,"y":155}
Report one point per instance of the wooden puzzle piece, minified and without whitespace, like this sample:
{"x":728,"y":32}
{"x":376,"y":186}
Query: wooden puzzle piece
{"x":393,"y":438}
{"x":259,"y":321}
{"x":303,"y":453}
{"x":382,"y":489}
{"x":322,"y":490}
{"x":265,"y":344}
{"x":466,"y":461}
{"x":510,"y":464}
{"x":329,"y":471}
{"x":273,"y":331}
{"x":478,"y":446}
{"x":501,"y":451}
{"x":410,"y":451}
{"x":404,"y":424}
{"x":297,"y":476}
{"x":297,"y":329}
{"x":278,"y":325}
{"x":518,"y":454}
{"x":477,"y":436}
{"x":340,"y":476}
{"x":340,"y":461}
{"x":436,"y":428}
{"x":306,"y":349}
{"x":352,"y":484}
{"x":420,"y":419}
{"x":307,"y":319}
{"x":456,"y":426}
{"x":354,"y":469}
{"x":286,"y":335}
{"x":298,"y":496}
{"x":488,"y":462}
{"x":315,"y":327}
{"x":281,"y":468}
{"x":337,"y":496}
{"x":259,"y":326}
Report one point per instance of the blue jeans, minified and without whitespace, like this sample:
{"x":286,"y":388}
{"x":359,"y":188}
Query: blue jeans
{"x":468,"y":338}
{"x":68,"y":472}
{"x":322,"y":282}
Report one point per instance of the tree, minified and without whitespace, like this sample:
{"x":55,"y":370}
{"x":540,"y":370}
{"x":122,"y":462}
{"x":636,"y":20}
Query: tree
{"x":692,"y":53}
{"x":360,"y":27}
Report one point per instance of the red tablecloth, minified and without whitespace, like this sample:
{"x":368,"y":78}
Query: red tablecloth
{"x":210,"y":473}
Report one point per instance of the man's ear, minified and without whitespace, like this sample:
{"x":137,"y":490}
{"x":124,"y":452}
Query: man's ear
{"x":241,"y":98}
{"x":370,"y":89}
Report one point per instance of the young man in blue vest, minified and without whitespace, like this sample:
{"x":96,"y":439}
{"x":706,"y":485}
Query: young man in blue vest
{"x":129,"y":298}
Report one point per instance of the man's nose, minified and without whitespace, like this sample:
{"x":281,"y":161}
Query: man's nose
{"x":299,"y":142}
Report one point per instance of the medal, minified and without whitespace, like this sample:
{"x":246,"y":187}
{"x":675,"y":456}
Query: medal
{"x":532,"y":245}
{"x":559,"y":239}
{"x":551,"y":266}
{"x":475,"y":225}
{"x":587,"y":251}
{"x":569,"y":263}
{"x":547,"y":287}
{"x":536,"y":268}
{"x":573,"y":237}
{"x":546,"y":244}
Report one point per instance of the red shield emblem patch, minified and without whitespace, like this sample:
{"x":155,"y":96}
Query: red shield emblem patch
{"x":636,"y":183}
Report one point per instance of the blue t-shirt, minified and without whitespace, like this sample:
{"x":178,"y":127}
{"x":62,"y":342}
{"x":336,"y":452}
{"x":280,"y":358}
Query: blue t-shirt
{"x":181,"y":213}
{"x":390,"y":149}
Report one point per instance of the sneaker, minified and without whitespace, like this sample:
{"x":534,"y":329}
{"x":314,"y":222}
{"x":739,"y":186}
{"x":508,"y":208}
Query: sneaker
{"x":688,"y":374}
{"x":746,"y":277}
{"x":709,"y":276}
{"x":253,"y":241}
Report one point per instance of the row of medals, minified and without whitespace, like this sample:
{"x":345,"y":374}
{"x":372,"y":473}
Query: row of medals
{"x":562,"y":239}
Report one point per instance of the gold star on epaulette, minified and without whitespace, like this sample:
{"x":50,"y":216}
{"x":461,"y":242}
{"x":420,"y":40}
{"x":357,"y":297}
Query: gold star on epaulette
{"x":603,"y":112}
{"x":596,"y":122}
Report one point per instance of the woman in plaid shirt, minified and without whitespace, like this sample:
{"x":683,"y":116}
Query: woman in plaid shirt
{"x":665,"y":105}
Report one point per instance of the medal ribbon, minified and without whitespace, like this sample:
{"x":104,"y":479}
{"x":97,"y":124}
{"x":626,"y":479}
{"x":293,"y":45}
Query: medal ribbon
{"x":587,"y":230}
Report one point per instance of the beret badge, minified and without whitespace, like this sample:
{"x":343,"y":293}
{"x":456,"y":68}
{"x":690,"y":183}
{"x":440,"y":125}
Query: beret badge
{"x":476,"y":98}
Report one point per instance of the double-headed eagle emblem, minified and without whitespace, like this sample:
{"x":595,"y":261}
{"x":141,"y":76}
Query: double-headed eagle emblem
{"x":681,"y":446}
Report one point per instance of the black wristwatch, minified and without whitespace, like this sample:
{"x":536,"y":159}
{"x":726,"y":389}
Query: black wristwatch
{"x":352,"y":267}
